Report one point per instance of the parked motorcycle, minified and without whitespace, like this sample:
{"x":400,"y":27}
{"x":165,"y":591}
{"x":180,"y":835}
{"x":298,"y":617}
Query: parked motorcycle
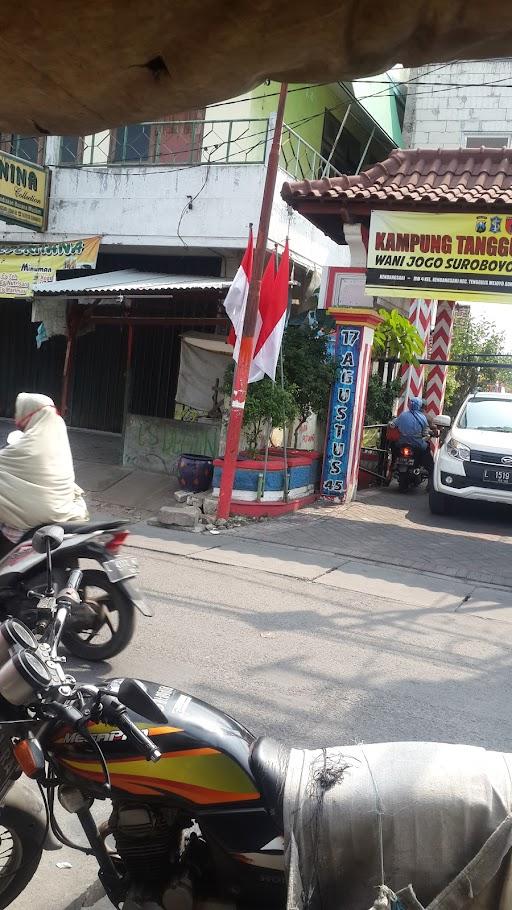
{"x":103,"y":622}
{"x":196,"y":800}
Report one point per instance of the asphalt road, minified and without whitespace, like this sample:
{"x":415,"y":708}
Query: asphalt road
{"x":310,"y":664}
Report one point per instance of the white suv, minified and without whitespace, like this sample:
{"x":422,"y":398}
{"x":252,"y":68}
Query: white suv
{"x":475,"y":460}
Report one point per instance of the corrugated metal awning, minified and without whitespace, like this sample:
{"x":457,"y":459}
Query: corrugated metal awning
{"x":128,"y":282}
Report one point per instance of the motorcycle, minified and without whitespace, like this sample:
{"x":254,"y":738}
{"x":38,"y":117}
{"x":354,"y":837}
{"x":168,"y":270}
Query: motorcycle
{"x":408,"y":469}
{"x":197,"y":802}
{"x":102,"y":624}
{"x":196,"y":799}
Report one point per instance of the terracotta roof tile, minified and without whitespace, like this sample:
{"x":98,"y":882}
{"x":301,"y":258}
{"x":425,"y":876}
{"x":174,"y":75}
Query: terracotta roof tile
{"x":434,"y":177}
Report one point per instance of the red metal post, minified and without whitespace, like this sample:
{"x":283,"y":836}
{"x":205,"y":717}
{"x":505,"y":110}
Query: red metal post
{"x":241,"y":377}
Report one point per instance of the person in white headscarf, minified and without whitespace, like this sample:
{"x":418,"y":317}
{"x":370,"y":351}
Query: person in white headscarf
{"x":37,"y":479}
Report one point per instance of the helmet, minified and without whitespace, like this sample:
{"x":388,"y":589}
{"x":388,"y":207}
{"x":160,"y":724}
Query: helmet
{"x":416,"y":404}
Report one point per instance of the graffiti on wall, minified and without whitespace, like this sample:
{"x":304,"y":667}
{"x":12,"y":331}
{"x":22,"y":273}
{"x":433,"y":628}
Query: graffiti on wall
{"x":155,"y":444}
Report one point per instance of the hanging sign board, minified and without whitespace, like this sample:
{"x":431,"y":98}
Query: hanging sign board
{"x":21,"y":265}
{"x":438,"y":256}
{"x":24,"y":189}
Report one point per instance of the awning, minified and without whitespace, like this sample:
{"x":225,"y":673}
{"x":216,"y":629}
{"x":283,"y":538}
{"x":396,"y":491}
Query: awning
{"x":129,"y":283}
{"x":72,"y":69}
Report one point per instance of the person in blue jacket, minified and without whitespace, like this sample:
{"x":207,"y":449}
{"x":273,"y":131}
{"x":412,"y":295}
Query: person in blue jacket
{"x":415,"y":430}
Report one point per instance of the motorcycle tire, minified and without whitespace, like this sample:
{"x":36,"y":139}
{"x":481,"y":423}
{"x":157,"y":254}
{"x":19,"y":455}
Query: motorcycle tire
{"x":116,"y":602}
{"x":403,"y":482}
{"x":25,"y":831}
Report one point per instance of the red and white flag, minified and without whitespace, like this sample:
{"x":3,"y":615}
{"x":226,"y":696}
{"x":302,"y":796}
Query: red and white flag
{"x":272,"y":312}
{"x":236,"y":298}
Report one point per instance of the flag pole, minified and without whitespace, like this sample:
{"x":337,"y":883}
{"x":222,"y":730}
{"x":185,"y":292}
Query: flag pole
{"x":242,"y":369}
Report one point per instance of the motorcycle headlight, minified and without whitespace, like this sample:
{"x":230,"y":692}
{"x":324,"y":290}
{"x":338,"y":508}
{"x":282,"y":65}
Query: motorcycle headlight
{"x":457,"y":449}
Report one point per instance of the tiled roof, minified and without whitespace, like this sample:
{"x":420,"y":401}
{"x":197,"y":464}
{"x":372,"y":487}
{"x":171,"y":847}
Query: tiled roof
{"x":444,"y":178}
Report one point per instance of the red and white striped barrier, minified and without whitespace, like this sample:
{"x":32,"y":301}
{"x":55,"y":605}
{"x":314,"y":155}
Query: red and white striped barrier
{"x":412,"y":377}
{"x":435,"y":386}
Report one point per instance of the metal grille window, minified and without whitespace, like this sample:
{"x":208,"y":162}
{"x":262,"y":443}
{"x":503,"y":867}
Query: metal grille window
{"x":131,"y":143}
{"x":31,"y":148}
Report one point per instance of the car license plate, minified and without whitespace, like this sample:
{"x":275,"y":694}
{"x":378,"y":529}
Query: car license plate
{"x":504,"y":477}
{"x":121,"y":568}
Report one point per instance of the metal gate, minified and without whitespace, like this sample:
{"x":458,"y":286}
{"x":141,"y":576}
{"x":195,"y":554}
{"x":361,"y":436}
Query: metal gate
{"x":23,"y":368}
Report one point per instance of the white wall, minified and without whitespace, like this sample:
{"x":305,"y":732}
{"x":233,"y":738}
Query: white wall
{"x":146,"y":207}
{"x":437,"y":116}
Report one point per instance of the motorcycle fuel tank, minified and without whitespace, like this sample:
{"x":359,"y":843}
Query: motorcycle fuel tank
{"x":204,"y":763}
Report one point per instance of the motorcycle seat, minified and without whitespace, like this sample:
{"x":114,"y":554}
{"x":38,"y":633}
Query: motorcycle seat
{"x":269,"y":764}
{"x":85,"y":527}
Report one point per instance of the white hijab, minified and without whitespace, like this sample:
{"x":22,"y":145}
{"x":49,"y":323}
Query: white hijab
{"x":37,"y":479}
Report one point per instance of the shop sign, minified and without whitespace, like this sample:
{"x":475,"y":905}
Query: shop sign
{"x":21,"y":265}
{"x":440,"y":256}
{"x":24,"y":191}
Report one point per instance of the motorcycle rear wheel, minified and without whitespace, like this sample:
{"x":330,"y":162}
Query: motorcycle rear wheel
{"x":82,"y":644}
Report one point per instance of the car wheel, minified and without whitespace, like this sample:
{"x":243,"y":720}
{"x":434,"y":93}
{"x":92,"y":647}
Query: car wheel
{"x":438,"y":502}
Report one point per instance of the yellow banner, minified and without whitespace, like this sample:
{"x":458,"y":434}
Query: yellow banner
{"x":441,"y":257}
{"x":22,"y":265}
{"x":24,"y":190}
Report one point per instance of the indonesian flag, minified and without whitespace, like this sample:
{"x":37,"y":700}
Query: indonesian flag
{"x":236,"y":298}
{"x":272,"y":312}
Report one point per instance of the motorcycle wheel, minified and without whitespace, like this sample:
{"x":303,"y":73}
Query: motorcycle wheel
{"x":109,"y":638}
{"x":403,"y":482}
{"x":20,"y":852}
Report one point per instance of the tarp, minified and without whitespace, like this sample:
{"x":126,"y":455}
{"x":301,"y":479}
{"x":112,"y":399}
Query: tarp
{"x":204,"y":360}
{"x":430,"y":821}
{"x":73,"y":69}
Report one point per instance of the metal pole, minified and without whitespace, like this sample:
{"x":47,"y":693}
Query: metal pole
{"x":335,"y":143}
{"x":242,"y":369}
{"x":427,"y":361}
{"x":367,"y":146}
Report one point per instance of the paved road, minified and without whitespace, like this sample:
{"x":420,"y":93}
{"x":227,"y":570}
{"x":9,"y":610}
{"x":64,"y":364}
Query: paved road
{"x":304,"y":660}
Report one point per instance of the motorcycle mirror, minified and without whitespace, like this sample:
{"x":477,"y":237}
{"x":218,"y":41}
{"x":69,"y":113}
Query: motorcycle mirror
{"x":133,"y":695}
{"x":50,"y":536}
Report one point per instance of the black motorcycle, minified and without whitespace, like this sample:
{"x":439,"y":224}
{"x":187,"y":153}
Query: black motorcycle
{"x":102,"y":624}
{"x":196,"y":799}
{"x":408,"y":468}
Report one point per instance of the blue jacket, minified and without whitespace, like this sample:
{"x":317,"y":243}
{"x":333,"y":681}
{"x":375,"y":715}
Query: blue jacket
{"x":411,"y":425}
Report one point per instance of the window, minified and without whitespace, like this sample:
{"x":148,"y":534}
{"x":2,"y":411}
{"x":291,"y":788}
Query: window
{"x":31,"y":148}
{"x":490,"y":142}
{"x":490,"y":414}
{"x":131,"y":143}
{"x":70,"y":150}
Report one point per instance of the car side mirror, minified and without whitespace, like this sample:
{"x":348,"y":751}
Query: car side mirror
{"x":51,"y":536}
{"x":443,"y":420}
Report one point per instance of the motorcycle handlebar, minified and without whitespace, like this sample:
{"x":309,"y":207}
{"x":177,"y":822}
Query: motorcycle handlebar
{"x":115,"y":713}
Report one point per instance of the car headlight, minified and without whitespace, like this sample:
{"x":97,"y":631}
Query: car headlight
{"x":457,"y":449}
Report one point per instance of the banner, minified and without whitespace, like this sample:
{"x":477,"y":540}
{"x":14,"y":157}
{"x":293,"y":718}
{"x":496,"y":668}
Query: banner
{"x":438,"y":256}
{"x":22,"y":265}
{"x":24,"y":190}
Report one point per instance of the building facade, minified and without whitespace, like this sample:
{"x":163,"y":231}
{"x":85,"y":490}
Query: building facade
{"x":460,"y":105}
{"x":177,"y":197}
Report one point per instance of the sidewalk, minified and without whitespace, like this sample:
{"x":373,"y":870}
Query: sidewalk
{"x":111,"y":489}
